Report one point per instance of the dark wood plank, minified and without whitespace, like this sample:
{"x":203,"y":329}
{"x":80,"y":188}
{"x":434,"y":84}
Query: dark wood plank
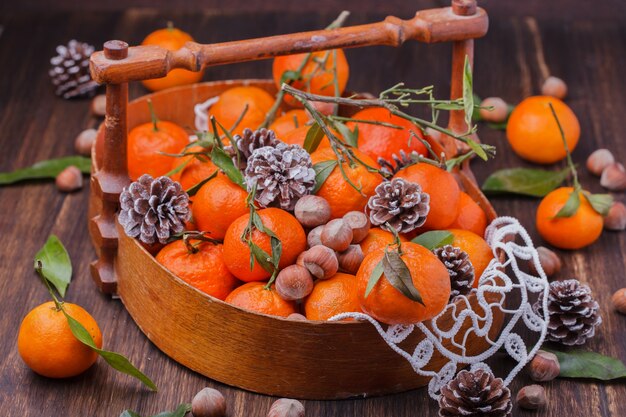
{"x":35,"y":125}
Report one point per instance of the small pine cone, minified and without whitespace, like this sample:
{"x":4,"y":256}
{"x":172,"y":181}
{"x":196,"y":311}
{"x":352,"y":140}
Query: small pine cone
{"x":400,"y":203}
{"x":475,"y":394}
{"x":248,"y":143}
{"x":154,"y":209}
{"x":281,"y":174}
{"x":402,"y":161}
{"x":70,"y":70}
{"x":460,"y":268}
{"x":574,"y":314}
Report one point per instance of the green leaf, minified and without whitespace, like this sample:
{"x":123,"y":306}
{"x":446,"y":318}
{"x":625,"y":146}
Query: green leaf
{"x":524,"y":181}
{"x":262,"y":257}
{"x":193,"y":190}
{"x":399,"y":276}
{"x":313,"y":138}
{"x":224,"y":162}
{"x":114,"y":359}
{"x":128,"y":413}
{"x":351,"y":137}
{"x":498,"y":126}
{"x":601,"y":203}
{"x":377,"y":273}
{"x":180,"y":411}
{"x":581,"y":364}
{"x":476,"y":117}
{"x":468,"y":95}
{"x":477,"y":149}
{"x":289,"y":76}
{"x":322,"y":172}
{"x":56,"y":265}
{"x":571,"y":205}
{"x":46,"y":169}
{"x":451,"y":106}
{"x":434,"y":239}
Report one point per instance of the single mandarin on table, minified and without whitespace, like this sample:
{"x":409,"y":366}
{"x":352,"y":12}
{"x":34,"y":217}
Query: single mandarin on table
{"x":233,"y":102}
{"x":444,"y":192}
{"x":377,"y":238}
{"x":317,"y":74}
{"x":388,"y":305}
{"x":197,"y":167}
{"x":382,"y":141}
{"x":237,"y":252}
{"x":253,"y":296}
{"x":171,"y":39}
{"x":331,"y":297}
{"x":339,"y":193}
{"x":48,"y":346}
{"x":471,"y":216}
{"x":574,"y":232}
{"x":289,"y":121}
{"x":146,"y":145}
{"x":534,"y":134}
{"x":217,"y":204}
{"x":479,"y":252}
{"x":202,"y":268}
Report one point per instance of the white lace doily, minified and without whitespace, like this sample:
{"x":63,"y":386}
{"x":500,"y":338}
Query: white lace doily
{"x":202,"y":116}
{"x":508,"y":238}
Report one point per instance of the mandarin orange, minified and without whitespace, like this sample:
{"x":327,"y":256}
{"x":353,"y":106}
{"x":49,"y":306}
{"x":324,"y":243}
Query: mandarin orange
{"x":471,"y":216}
{"x":377,"y":238}
{"x":479,"y":252}
{"x":197,"y":167}
{"x":254,"y":297}
{"x":331,"y":297}
{"x":233,"y":102}
{"x":288,"y":121}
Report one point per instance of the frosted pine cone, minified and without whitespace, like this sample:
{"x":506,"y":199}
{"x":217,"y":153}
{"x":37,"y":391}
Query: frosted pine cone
{"x":400,"y":203}
{"x":249,"y":142}
{"x":459,"y":267}
{"x":401,"y":161}
{"x":574,"y":314}
{"x":282,"y":174}
{"x":70,"y":70}
{"x":154,"y":209}
{"x":475,"y":394}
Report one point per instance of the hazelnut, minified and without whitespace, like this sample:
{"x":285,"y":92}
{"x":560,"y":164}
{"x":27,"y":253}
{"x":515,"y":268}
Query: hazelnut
{"x":614,"y":177}
{"x":616,"y":217}
{"x":350,"y":260}
{"x":296,"y":317}
{"x":99,"y":105}
{"x":554,"y":87}
{"x":550,"y":262}
{"x":320,"y":261}
{"x":599,"y":160}
{"x":314,"y":237}
{"x":208,"y":402}
{"x":84,"y":141}
{"x":531,"y":397}
{"x":359,"y":223}
{"x":619,"y":300}
{"x":294,"y":283}
{"x":544,"y":366}
{"x":337,"y":235}
{"x":70,"y":179}
{"x":312,"y":211}
{"x":286,"y":407}
{"x":498,"y":113}
{"x":325,"y":108}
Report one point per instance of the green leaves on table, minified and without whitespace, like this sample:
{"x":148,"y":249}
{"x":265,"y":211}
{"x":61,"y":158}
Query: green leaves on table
{"x":434,"y":239}
{"x":180,"y":411}
{"x":56,"y":266}
{"x":524,"y":181}
{"x":581,"y":364}
{"x":46,"y":169}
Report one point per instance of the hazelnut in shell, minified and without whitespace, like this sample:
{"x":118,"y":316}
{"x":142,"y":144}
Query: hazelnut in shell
{"x":359,"y":222}
{"x":614,"y":177}
{"x":350,"y":260}
{"x":616,"y":217}
{"x":531,"y":397}
{"x":495,"y":110}
{"x":99,"y":105}
{"x":599,"y":160}
{"x":550,"y":262}
{"x":337,"y":235}
{"x":619,"y":300}
{"x":555,"y":87}
{"x":296,"y":317}
{"x":314,"y":237}
{"x":312,"y":211}
{"x":84,"y":141}
{"x":208,"y":402}
{"x":294,"y":283}
{"x":544,"y":366}
{"x":320,"y":261}
{"x":286,"y":407}
{"x":70,"y":179}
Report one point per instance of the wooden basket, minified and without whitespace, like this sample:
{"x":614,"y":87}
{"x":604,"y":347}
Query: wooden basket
{"x":265,"y":354}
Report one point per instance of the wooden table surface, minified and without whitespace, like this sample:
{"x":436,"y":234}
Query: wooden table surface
{"x":35,"y":125}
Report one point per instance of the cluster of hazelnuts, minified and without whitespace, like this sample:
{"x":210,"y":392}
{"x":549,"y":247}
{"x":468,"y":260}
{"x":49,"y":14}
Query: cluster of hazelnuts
{"x":210,"y":402}
{"x":333,"y":246}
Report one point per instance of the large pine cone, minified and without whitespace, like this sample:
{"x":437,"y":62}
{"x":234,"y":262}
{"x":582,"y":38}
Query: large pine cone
{"x":400,"y":203}
{"x":70,"y":70}
{"x":459,"y":267}
{"x":475,"y":394}
{"x":248,"y":142}
{"x":574,"y":314}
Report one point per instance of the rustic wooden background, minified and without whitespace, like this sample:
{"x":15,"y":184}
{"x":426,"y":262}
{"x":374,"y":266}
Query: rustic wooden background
{"x":587,"y":50}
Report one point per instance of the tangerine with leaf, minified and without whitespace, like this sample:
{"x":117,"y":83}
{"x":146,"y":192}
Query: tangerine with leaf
{"x":289,"y":121}
{"x":376,"y":239}
{"x":242,"y":107}
{"x":193,"y":167}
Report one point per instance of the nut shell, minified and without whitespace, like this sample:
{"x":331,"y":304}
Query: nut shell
{"x":351,"y":259}
{"x":99,"y":105}
{"x":84,"y":141}
{"x":555,"y":87}
{"x":616,"y":217}
{"x":296,"y":317}
{"x":599,"y":160}
{"x":70,"y":179}
{"x":359,"y":222}
{"x":531,"y":397}
{"x":337,"y":235}
{"x":614,"y":177}
{"x":320,"y":261}
{"x":314,"y":237}
{"x":294,"y":283}
{"x":499,"y":112}
{"x":286,"y":407}
{"x":550,"y":262}
{"x":619,"y":300}
{"x":208,"y":402}
{"x":312,"y":211}
{"x":544,"y":366}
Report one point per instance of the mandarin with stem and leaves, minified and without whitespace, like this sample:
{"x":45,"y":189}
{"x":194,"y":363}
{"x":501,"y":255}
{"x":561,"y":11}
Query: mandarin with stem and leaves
{"x":323,"y":72}
{"x":46,"y":344}
{"x":331,"y":297}
{"x":289,"y":121}
{"x":242,"y":107}
{"x":377,"y":238}
{"x":148,"y":145}
{"x":298,"y":137}
{"x":254,"y":296}
{"x":200,"y":264}
{"x":378,"y":284}
{"x":171,"y":39}
{"x":193,"y":167}
{"x":349,"y":184}
{"x":248,"y":249}
{"x":380,"y":141}
{"x":479,"y":252}
{"x":217,"y":204}
{"x":471,"y":216}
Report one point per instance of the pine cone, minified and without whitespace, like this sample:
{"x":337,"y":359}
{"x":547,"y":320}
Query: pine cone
{"x":248,"y":143}
{"x":282,"y":174}
{"x":574,"y":314}
{"x":400,"y":203}
{"x":70,"y":70}
{"x":460,"y":268}
{"x":401,"y":161}
{"x":475,"y":394}
{"x":154,"y":209}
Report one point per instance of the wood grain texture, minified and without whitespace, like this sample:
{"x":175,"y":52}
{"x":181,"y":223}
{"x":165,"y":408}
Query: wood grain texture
{"x":35,"y":125}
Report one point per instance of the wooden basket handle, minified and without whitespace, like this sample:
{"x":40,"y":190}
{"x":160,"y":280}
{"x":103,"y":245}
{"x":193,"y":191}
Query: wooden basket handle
{"x":118,"y":64}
